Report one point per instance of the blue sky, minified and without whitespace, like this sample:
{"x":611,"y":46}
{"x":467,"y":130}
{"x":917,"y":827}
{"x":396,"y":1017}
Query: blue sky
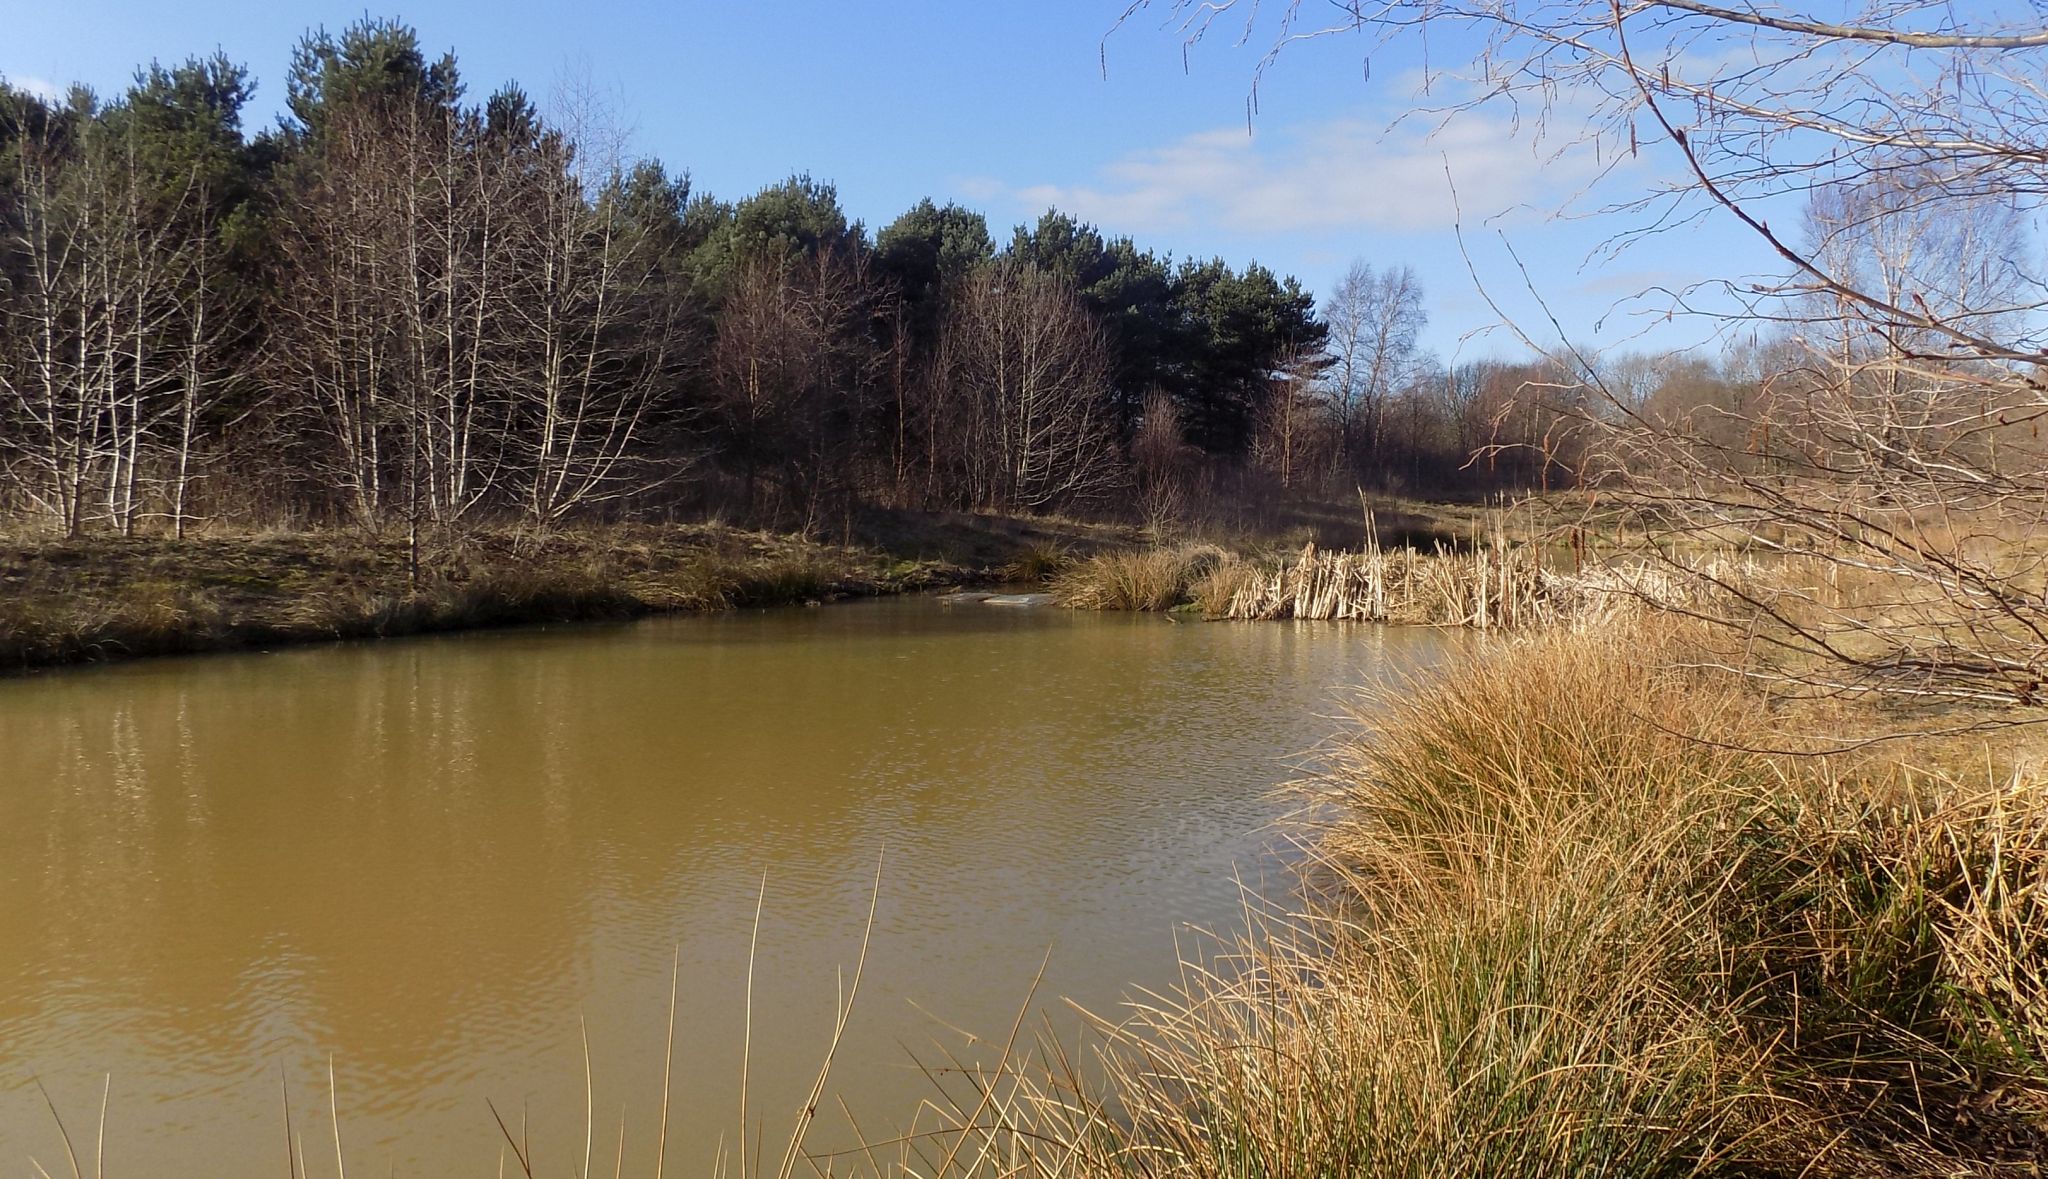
{"x":1008,"y":107}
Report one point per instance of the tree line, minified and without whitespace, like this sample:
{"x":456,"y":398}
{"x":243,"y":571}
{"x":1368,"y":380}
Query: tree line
{"x":399,"y":306}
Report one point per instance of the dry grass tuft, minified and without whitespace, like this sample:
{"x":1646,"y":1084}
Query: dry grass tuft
{"x":1139,"y":579}
{"x":1563,"y":920}
{"x":1229,"y":582}
{"x":1038,"y":563}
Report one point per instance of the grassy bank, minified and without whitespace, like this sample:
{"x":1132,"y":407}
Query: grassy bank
{"x":1570,"y":912}
{"x":101,"y":597}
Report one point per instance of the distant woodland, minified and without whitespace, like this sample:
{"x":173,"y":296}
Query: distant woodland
{"x":401,"y":306}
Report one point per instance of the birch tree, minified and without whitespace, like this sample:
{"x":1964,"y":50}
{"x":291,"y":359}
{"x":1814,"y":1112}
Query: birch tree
{"x":336,"y":343}
{"x":792,"y":369}
{"x":1023,"y":380}
{"x":52,"y":380}
{"x":1376,"y":320}
{"x":115,"y":303}
{"x":603,"y":329}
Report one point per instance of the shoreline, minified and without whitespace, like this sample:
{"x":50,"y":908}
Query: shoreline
{"x":101,"y":599}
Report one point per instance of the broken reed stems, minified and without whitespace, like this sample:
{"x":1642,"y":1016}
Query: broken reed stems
{"x":1490,"y":584}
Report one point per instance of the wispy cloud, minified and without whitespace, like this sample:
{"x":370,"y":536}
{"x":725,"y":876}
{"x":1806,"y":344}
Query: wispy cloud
{"x":45,"y":90}
{"x":1634,"y":282}
{"x":1333,"y":175}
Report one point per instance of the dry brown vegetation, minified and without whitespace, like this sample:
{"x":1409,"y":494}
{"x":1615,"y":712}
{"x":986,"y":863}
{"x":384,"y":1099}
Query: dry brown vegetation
{"x":1138,"y":579}
{"x":1488,"y":581}
{"x":106,"y":597}
{"x":1562,"y":920}
{"x":1491,"y":585}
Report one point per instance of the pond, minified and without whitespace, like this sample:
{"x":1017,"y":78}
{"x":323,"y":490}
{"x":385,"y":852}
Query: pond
{"x":441,"y":863}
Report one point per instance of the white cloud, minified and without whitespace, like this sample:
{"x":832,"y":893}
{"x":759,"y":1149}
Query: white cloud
{"x":980,"y":188}
{"x":45,"y":90}
{"x":1333,"y":175}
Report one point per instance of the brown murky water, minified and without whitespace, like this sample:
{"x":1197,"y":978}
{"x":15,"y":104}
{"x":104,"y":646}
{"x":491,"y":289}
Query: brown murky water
{"x":430,"y":859}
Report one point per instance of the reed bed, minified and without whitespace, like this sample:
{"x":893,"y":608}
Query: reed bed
{"x":1491,"y":583}
{"x":1490,"y":586}
{"x":1495,"y":585}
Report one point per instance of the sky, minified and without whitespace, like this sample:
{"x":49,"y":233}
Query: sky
{"x":1010,"y":108}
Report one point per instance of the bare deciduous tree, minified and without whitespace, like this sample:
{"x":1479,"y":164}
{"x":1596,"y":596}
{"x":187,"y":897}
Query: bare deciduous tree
{"x":790,"y":369}
{"x":1376,"y":319}
{"x":55,"y":377}
{"x":1164,"y":464}
{"x":108,"y":359}
{"x":1022,"y":388}
{"x":1295,"y":438}
{"x":603,"y":341}
{"x":1901,"y":446}
{"x":336,"y":346}
{"x":465,"y":312}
